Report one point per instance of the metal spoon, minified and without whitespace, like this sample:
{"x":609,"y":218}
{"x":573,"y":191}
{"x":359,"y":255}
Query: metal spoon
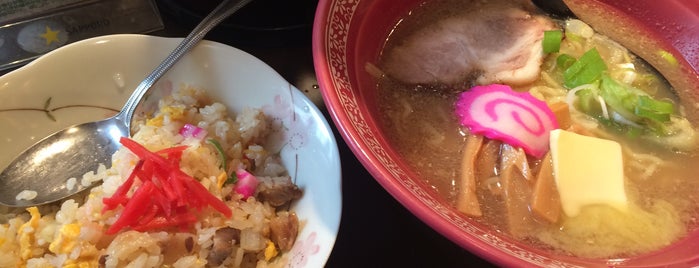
{"x":47,"y":165}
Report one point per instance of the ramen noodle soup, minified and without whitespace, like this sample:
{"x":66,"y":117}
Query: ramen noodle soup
{"x":193,"y":187}
{"x":540,"y":128}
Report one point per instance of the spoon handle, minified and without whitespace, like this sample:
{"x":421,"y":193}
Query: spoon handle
{"x":220,"y":13}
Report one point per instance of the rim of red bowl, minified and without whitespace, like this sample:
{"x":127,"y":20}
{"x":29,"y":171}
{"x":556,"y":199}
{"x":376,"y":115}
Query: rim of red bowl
{"x":427,"y":213}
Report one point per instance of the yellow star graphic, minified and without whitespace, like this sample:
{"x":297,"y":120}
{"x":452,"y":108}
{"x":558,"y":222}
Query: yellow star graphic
{"x":50,"y":35}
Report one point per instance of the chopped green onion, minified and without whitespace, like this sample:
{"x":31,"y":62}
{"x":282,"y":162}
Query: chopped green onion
{"x":657,"y":106}
{"x":233,"y":178}
{"x":618,"y":97}
{"x":221,"y":153}
{"x":651,"y":115}
{"x":632,"y":103}
{"x":635,"y":105}
{"x":552,"y":41}
{"x":564,"y":61}
{"x":585,"y":70}
{"x":654,"y":109}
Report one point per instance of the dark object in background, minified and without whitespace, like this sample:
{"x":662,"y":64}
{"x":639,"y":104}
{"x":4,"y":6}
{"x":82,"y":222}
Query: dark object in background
{"x":29,"y":29}
{"x":555,"y":8}
{"x":262,"y":23}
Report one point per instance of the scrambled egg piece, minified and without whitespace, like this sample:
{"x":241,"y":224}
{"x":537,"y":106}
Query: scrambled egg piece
{"x":80,"y":265}
{"x":89,"y":258}
{"x":66,"y":240}
{"x":270,"y":251}
{"x":26,"y":233}
{"x":155,"y":121}
{"x":173,"y":112}
{"x":221,"y":179}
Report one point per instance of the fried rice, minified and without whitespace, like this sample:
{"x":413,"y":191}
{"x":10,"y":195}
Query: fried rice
{"x":73,"y":232}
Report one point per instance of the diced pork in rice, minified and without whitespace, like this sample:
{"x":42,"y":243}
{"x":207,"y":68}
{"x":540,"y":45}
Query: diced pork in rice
{"x":277,"y":191}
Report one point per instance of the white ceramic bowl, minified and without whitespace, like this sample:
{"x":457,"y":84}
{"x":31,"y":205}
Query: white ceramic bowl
{"x":91,"y":79}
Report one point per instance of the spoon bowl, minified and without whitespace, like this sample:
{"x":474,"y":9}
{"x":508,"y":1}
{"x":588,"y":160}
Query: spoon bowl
{"x":46,"y":167}
{"x":72,"y":151}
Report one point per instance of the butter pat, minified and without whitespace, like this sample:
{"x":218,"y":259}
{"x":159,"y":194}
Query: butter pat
{"x":588,"y":171}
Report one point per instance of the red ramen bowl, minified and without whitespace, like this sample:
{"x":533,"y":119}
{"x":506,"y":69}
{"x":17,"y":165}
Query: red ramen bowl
{"x":349,"y":34}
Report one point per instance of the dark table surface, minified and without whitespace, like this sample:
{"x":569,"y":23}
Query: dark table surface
{"x":375,"y":230}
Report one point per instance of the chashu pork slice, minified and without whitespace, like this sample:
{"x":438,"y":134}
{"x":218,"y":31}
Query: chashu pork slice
{"x":488,"y":46}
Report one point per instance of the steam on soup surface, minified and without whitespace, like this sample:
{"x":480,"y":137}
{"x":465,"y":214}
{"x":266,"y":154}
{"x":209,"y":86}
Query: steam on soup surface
{"x":445,"y":48}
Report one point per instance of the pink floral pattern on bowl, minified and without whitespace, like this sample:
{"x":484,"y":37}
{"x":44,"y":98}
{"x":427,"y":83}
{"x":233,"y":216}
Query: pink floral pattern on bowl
{"x":287,"y":125}
{"x":303,"y":250}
